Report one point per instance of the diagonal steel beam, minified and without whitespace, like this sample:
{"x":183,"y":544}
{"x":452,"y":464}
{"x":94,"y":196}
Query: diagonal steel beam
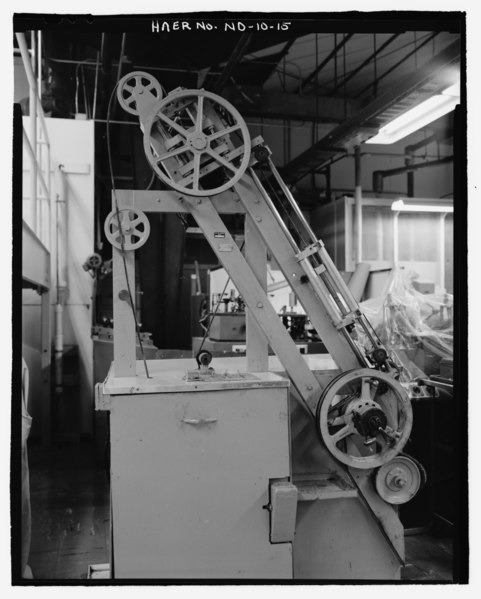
{"x":328,"y":58}
{"x":364,"y":64}
{"x":237,"y":54}
{"x":395,"y":66}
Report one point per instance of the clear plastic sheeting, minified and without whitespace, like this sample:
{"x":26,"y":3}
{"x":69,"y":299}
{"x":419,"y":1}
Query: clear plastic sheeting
{"x":407,"y":321}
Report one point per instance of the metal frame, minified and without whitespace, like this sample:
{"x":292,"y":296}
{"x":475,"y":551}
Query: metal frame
{"x":34,"y":144}
{"x":37,"y":241}
{"x":36,"y":275}
{"x":128,"y":374}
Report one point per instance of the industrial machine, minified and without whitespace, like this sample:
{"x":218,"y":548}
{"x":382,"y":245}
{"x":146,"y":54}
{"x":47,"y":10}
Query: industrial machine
{"x":257,"y":467}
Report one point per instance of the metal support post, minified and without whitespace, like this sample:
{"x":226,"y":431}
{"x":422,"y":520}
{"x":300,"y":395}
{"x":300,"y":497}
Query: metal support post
{"x":45,"y":364}
{"x":442,"y":252}
{"x":256,"y":298}
{"x":280,"y":245}
{"x":358,"y":202}
{"x":256,"y":257}
{"x":124,"y":335}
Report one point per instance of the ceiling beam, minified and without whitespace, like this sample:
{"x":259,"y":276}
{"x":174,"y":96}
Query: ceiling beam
{"x":429,"y":79}
{"x":328,"y":58}
{"x":254,"y":101}
{"x":236,"y":56}
{"x":365,"y":63}
{"x":397,"y":64}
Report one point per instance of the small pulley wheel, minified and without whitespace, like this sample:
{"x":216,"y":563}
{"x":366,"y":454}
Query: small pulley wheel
{"x":128,"y":225}
{"x":94,"y":261}
{"x":135,"y":85}
{"x":197,"y":142}
{"x":364,"y":418}
{"x":399,"y":480}
{"x":203,"y":358}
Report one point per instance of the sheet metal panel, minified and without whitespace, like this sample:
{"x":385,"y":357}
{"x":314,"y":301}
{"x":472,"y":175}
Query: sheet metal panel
{"x":190,"y":476}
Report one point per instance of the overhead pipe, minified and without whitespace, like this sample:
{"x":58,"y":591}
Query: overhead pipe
{"x":379,"y":176}
{"x":409,"y":150}
{"x":355,"y":71}
{"x":319,"y":68}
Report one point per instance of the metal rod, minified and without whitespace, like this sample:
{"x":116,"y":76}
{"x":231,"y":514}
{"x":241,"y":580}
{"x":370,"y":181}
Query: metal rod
{"x":22,"y":44}
{"x":235,"y":57}
{"x":273,"y":209}
{"x":414,"y":167}
{"x":338,"y":280}
{"x":319,"y":68}
{"x":121,"y":59}
{"x":33,"y":139}
{"x":95,"y":85}
{"x":442,"y":252}
{"x":292,"y":202}
{"x":354,"y":72}
{"x":39,"y":62}
{"x":375,"y":82}
{"x":86,"y":107}
{"x":358,"y":202}
{"x":395,"y":237}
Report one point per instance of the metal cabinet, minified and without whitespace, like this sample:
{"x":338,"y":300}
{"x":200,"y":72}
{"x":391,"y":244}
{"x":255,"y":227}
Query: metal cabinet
{"x":191,"y":467}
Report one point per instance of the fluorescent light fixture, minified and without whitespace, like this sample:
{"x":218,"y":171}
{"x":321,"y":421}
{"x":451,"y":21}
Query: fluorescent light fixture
{"x":421,"y":115}
{"x":402,"y":206}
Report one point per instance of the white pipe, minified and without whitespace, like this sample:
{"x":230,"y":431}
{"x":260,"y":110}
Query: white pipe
{"x":31,"y":80}
{"x":58,"y":343}
{"x":442,"y":252}
{"x":39,"y":63}
{"x":33,"y":143}
{"x":358,"y":202}
{"x":62,"y":229}
{"x":395,"y":237}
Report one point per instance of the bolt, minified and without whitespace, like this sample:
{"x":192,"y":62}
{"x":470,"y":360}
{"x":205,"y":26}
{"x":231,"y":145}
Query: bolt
{"x":260,"y":305}
{"x":181,"y":199}
{"x":258,"y":219}
{"x":309,"y":387}
{"x":141,"y":91}
{"x":400,"y":482}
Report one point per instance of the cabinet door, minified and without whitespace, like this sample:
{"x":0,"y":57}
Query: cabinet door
{"x":190,"y":478}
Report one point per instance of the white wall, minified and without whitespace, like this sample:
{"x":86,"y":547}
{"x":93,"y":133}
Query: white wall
{"x":72,"y":144}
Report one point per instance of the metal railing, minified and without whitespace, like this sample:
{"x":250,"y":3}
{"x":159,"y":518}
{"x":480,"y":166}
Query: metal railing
{"x":37,"y":144}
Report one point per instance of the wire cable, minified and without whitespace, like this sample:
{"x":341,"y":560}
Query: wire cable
{"x":122,"y":239}
{"x":207,"y":329}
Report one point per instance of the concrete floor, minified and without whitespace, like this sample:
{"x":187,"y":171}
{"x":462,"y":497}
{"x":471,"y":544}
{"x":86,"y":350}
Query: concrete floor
{"x":71,"y":520}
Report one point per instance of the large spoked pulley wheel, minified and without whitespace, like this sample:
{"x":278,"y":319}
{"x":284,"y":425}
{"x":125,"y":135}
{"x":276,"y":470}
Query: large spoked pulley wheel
{"x":127,"y":230}
{"x":133,"y":86}
{"x":364,"y":417}
{"x":197,"y":142}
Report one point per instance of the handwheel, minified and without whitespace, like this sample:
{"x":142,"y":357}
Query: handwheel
{"x":133,"y":84}
{"x":188,"y":135}
{"x":134,"y":228}
{"x":364,"y":418}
